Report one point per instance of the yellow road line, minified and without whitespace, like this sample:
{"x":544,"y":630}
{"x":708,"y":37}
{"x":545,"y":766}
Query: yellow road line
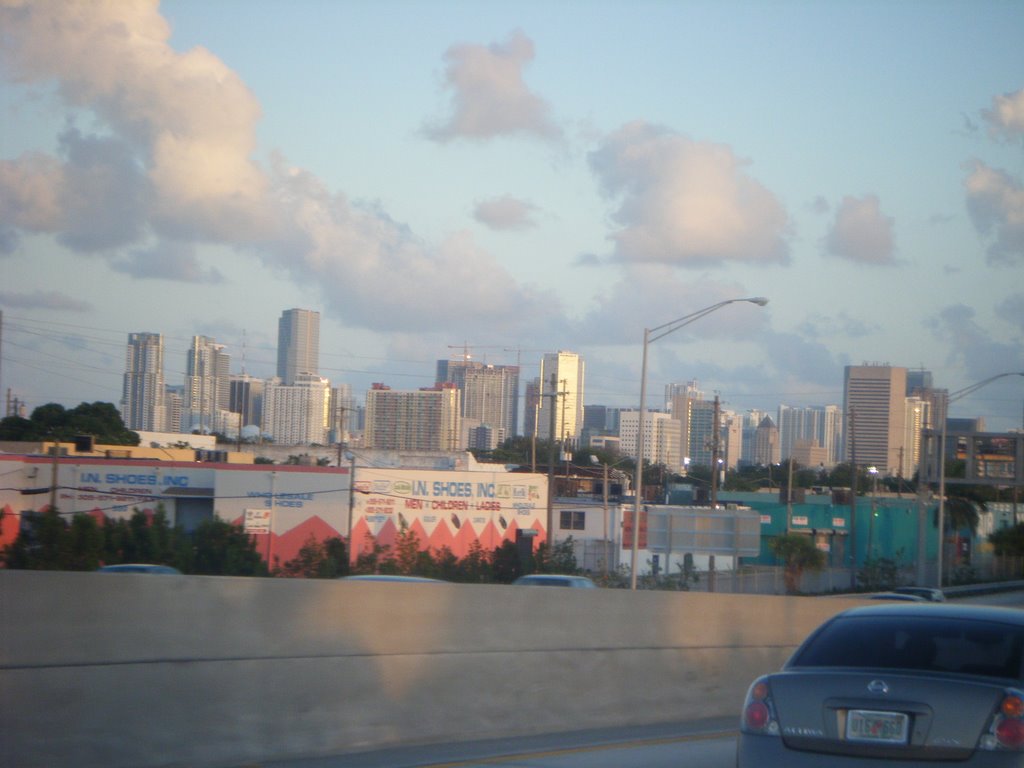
{"x":582,"y":749}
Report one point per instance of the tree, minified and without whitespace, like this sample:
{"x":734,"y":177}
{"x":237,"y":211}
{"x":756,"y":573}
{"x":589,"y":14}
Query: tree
{"x":85,"y":544}
{"x":477,"y":565}
{"x":375,"y":558}
{"x":407,"y":551}
{"x":1008,"y":542}
{"x":325,"y":559}
{"x":505,"y":563}
{"x":798,"y":554}
{"x":223,"y":549}
{"x":959,"y":512}
{"x":53,"y":422}
{"x":561,"y":558}
{"x":42,"y":543}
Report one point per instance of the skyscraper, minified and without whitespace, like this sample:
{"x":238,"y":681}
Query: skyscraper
{"x":298,"y":344}
{"x":207,"y":385}
{"x":816,"y":425}
{"x":422,"y":420}
{"x":247,"y":398}
{"x":490,"y":393}
{"x":766,"y":442}
{"x":561,"y":381}
{"x":874,"y":401}
{"x":142,"y":395}
{"x":696,"y":417}
{"x":298,"y":413}
{"x":661,"y":437}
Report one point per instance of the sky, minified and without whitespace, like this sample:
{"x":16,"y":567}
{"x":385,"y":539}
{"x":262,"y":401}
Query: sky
{"x":503,"y":179}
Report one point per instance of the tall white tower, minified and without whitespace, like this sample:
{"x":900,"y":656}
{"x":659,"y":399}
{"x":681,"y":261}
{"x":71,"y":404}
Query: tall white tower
{"x":298,"y":344}
{"x":142,"y":395}
{"x":207,"y":384}
{"x":561,"y":380}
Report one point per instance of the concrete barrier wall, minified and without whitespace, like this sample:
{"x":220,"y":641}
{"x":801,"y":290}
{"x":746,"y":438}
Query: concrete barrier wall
{"x":137,"y":670}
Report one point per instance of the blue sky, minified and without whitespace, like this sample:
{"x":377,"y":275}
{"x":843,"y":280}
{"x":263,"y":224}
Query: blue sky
{"x":519,"y":178}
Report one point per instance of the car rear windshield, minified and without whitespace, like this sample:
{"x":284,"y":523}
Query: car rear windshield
{"x":938,"y":644}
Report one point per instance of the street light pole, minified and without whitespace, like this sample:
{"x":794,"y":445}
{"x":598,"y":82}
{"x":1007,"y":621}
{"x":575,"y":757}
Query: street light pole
{"x":949,"y":398}
{"x":650,"y":335}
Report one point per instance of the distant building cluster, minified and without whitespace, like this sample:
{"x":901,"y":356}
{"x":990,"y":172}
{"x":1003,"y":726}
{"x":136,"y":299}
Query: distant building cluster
{"x":475,"y":405}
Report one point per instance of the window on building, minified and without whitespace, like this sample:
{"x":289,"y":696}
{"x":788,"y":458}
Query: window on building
{"x":573,"y":520}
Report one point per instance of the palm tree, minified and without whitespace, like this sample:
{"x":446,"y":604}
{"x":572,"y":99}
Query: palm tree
{"x":798,"y":553}
{"x":960,"y":511}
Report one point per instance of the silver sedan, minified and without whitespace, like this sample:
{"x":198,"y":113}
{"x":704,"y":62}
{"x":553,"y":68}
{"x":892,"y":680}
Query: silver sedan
{"x":905,"y":685}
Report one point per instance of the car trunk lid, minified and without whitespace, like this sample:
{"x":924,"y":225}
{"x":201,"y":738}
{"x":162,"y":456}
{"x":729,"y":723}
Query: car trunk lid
{"x":883,"y":714}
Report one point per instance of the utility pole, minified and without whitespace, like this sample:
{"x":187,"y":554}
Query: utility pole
{"x":715,"y":429}
{"x":551,"y":462}
{"x":604,"y":488}
{"x":853,"y":500}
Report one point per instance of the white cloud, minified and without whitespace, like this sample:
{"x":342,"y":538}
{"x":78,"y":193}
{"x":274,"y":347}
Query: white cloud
{"x":995,"y":202}
{"x":43,"y":300}
{"x":831,"y":327}
{"x":172,"y":161}
{"x":1006,"y":118}
{"x":686,"y":203}
{"x":861,"y":233}
{"x":662,"y":296}
{"x":30,"y":192}
{"x":488,"y":95}
{"x":1011,"y":309}
{"x":167,"y":261}
{"x":975,"y":349}
{"x":505,"y":213}
{"x":375,"y":272}
{"x":189,"y":120}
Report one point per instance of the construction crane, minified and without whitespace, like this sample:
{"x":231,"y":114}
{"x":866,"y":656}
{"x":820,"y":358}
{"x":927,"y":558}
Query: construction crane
{"x":467,"y":355}
{"x":466,"y":347}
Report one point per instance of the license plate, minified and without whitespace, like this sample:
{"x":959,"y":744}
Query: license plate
{"x":868,"y":725}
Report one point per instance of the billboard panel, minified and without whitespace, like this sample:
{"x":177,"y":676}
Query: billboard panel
{"x":446,"y":508}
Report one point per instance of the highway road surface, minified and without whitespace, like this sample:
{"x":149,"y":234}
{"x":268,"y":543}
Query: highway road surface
{"x":697,"y":744}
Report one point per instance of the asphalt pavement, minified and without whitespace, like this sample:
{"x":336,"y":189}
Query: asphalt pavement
{"x":576,"y":747}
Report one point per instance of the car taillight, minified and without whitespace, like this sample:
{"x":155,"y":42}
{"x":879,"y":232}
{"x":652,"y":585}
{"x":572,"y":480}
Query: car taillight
{"x":758,"y":710}
{"x":1007,"y":725}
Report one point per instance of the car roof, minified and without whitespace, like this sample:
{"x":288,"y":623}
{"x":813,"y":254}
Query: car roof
{"x":138,"y":568}
{"x":904,"y":596}
{"x":389,"y":577}
{"x":947,"y":610}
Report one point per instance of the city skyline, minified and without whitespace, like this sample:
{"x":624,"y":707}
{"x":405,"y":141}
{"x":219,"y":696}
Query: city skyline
{"x":893,"y":405}
{"x":526,"y":178}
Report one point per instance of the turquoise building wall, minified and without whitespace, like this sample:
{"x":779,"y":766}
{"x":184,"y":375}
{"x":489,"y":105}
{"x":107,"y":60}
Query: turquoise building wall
{"x":886,"y":526}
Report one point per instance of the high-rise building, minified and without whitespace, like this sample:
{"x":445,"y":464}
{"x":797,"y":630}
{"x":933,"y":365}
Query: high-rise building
{"x":732,"y":438}
{"x":874,"y":403}
{"x":207,"y":385}
{"x":766,"y":443}
{"x":919,"y":385}
{"x":561,"y":401}
{"x":681,"y":400}
{"x":246,"y":398}
{"x":298,"y":413}
{"x":814,"y":426}
{"x":751,"y":420}
{"x":531,"y":407}
{"x":422,"y":420}
{"x":298,"y":344}
{"x":918,"y":418}
{"x":490,"y":394}
{"x":174,"y":406}
{"x":696,"y":417}
{"x":142,"y":395}
{"x":661,"y":437}
{"x":344,"y":415}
